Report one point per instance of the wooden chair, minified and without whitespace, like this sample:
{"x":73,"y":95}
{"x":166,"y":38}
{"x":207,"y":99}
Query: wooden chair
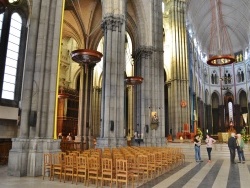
{"x":133,"y":170}
{"x":121,"y":172}
{"x":57,"y":166}
{"x":69,"y":167}
{"x":115,"y":157}
{"x":47,"y":164}
{"x":179,"y":155}
{"x":93,"y":169}
{"x":143,"y":170}
{"x":151,"y":165}
{"x":158,"y":162}
{"x":63,"y":154}
{"x":167,"y":160}
{"x":82,"y":168}
{"x":107,"y":171}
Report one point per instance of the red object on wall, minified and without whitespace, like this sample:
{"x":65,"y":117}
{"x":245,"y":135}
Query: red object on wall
{"x":186,"y":128}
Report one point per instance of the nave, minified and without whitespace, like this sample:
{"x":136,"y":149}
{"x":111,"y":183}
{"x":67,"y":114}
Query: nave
{"x":217,"y":174}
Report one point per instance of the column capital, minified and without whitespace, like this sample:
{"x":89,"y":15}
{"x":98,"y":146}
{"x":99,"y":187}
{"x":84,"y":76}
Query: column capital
{"x":111,"y":22}
{"x":144,"y":52}
{"x":97,"y":89}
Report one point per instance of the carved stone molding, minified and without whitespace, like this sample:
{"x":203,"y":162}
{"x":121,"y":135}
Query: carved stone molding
{"x":111,"y":22}
{"x":97,"y":89}
{"x":143,"y":52}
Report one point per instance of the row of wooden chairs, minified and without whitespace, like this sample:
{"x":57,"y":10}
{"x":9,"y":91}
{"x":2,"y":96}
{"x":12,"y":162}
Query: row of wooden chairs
{"x":123,"y":165}
{"x":87,"y":169}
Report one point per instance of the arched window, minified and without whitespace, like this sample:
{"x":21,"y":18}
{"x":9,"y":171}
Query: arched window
{"x":1,"y":25}
{"x":214,"y":77}
{"x":240,"y":75}
{"x":12,"y":47}
{"x":11,"y":61}
{"x":227,"y":77}
{"x":230,"y":111}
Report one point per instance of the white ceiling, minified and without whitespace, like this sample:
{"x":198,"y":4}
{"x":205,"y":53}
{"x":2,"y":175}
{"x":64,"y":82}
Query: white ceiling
{"x":235,"y":15}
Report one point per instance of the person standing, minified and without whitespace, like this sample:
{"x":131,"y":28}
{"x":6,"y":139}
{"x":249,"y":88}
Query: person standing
{"x":197,"y":144}
{"x":232,"y":147}
{"x":240,"y":148}
{"x":69,"y":137}
{"x":210,"y":141}
{"x":60,"y":136}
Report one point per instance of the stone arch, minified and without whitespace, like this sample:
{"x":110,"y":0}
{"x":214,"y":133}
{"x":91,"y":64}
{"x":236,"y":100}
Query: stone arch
{"x":73,"y":33}
{"x":242,"y":100}
{"x":141,"y":20}
{"x":131,"y":29}
{"x":215,"y":99}
{"x":76,"y":76}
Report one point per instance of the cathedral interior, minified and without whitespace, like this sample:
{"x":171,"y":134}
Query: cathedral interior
{"x":114,"y":73}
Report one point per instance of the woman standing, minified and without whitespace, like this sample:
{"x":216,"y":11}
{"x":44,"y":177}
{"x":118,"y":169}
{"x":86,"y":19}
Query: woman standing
{"x":240,"y":147}
{"x":197,"y":144}
{"x":210,"y":141}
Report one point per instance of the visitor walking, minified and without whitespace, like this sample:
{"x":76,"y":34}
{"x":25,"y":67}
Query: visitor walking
{"x":240,"y":148}
{"x":232,"y":147}
{"x":209,"y":141}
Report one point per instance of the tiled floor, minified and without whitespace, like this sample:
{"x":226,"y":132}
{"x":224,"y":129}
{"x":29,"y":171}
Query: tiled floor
{"x":217,"y":174}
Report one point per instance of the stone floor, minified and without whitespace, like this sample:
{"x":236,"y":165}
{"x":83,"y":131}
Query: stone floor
{"x":217,"y":174}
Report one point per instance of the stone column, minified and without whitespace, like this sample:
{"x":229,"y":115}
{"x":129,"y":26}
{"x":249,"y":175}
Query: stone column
{"x":85,"y":126}
{"x":131,"y":113}
{"x":89,"y":107}
{"x":79,"y":137}
{"x":112,"y":112}
{"x":179,"y":78}
{"x":96,"y":111}
{"x":150,"y":94}
{"x":143,"y":105}
{"x":39,"y":91}
{"x":85,"y":122}
{"x":149,"y":97}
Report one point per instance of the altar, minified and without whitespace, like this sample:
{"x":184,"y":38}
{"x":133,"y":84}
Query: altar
{"x":223,"y":136}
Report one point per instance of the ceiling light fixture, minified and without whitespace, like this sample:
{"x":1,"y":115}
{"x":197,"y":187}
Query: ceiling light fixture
{"x":220,"y":48}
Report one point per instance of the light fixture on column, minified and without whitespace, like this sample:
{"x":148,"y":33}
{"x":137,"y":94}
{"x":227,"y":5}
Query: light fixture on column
{"x":86,"y":56}
{"x":220,"y":48}
{"x":133,"y":80}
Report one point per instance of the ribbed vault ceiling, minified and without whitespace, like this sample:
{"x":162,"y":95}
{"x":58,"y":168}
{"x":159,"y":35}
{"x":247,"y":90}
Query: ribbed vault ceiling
{"x":236,"y":18}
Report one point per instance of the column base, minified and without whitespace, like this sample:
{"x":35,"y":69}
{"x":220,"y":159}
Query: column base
{"x":26,"y":155}
{"x":153,"y":141}
{"x":111,"y":142}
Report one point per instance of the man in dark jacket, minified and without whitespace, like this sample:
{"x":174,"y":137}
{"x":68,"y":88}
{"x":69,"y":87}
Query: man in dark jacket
{"x":232,"y":147}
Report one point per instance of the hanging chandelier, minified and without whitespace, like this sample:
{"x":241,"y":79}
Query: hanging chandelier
{"x":220,"y":48}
